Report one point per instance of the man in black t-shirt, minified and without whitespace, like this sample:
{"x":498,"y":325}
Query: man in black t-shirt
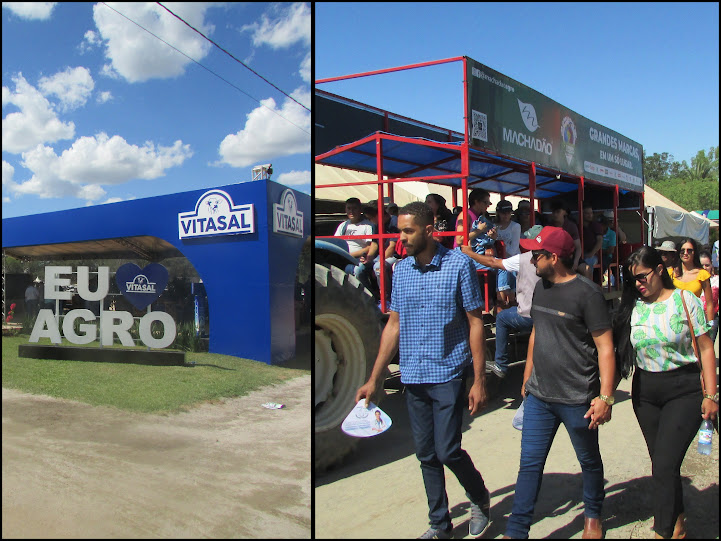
{"x":569,"y":377}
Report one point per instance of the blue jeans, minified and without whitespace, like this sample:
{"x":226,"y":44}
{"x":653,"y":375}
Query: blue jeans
{"x":389,"y":272}
{"x":540,"y":423}
{"x":435,"y":411}
{"x":362,"y":273}
{"x":505,"y":281}
{"x":508,"y":321}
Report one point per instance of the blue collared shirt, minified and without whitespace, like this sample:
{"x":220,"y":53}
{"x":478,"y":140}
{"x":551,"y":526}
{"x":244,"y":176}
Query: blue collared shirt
{"x":432,"y":302}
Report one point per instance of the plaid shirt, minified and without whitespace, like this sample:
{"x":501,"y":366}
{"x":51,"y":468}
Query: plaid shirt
{"x":432,"y":302}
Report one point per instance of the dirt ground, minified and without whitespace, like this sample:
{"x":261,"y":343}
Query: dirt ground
{"x":224,"y":470}
{"x":378,"y":493}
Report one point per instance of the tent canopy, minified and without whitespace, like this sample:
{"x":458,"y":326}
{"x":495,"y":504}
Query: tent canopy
{"x":415,"y":157}
{"x":673,"y":221}
{"x":403,"y":193}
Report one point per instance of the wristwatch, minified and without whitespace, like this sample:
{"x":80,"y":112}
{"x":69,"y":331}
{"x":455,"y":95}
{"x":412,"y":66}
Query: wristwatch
{"x":713,"y":397}
{"x":607,"y":399}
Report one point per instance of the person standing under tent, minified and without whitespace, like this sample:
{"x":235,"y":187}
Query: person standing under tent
{"x":32,"y":298}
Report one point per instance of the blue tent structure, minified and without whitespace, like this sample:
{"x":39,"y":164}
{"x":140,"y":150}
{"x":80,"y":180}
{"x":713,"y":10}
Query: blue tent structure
{"x":249,"y":272}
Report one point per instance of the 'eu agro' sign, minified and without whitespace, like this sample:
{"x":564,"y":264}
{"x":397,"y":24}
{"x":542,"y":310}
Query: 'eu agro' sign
{"x":146,"y":282}
{"x":286,"y":216}
{"x":215,"y":214}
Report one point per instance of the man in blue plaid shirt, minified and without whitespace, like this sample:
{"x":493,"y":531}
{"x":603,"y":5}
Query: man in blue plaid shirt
{"x":436,"y":322}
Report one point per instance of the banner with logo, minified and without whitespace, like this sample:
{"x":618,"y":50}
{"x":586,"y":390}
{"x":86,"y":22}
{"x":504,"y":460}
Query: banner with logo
{"x":508,"y":117}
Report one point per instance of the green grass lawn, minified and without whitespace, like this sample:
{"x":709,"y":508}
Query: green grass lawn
{"x":150,"y":389}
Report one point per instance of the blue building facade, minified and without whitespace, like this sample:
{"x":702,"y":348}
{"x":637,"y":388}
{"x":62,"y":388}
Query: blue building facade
{"x":243,"y":239}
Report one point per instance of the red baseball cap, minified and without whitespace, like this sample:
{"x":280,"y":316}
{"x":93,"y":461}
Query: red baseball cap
{"x":552,"y":239}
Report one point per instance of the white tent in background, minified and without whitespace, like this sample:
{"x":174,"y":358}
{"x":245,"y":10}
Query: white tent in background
{"x":666,"y":219}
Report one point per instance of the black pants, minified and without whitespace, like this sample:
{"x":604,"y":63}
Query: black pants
{"x":668,"y":409}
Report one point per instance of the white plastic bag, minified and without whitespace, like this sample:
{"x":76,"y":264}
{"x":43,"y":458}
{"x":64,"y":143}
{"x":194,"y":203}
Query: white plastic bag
{"x":518,"y":417}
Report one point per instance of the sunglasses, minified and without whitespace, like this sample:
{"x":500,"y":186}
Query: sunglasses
{"x":686,"y":250}
{"x":643,"y":277}
{"x":538,"y":253}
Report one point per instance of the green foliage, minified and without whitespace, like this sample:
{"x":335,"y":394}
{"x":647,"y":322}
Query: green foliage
{"x":186,"y":339}
{"x":140,"y":388}
{"x":690,"y":194}
{"x":694,"y":187}
{"x":659,"y":167}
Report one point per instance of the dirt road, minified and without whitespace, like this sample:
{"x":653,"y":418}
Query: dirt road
{"x":379,"y":492}
{"x":225,"y":470}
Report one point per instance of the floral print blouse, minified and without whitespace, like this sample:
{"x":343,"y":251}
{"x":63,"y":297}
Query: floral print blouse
{"x":660,"y":332}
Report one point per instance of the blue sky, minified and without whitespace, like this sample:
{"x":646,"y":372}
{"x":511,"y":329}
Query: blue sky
{"x":649,"y":71}
{"x":96,"y":110}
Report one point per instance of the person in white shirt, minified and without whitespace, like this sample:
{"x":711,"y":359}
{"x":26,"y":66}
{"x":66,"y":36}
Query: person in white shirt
{"x":356,"y":224}
{"x":510,"y":233}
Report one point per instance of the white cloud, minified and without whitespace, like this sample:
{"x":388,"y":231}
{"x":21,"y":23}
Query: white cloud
{"x":31,"y":10}
{"x":284,"y":28}
{"x":104,"y":96}
{"x":108,"y":71}
{"x":8,"y":172}
{"x":36,"y":123}
{"x":136,"y":55}
{"x":294,"y":178}
{"x":267,"y":136}
{"x":72,"y":86}
{"x":90,"y":41}
{"x":110,"y":200}
{"x":305,"y":68}
{"x":111,"y":160}
{"x":92,"y":162}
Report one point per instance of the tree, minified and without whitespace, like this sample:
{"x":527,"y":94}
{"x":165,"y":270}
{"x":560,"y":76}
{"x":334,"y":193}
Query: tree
{"x":704,"y":166}
{"x":694,"y":187}
{"x":658,"y":167}
{"x":690,"y":194}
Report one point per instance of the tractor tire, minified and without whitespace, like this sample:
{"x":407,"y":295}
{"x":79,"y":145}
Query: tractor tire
{"x":347,"y":336}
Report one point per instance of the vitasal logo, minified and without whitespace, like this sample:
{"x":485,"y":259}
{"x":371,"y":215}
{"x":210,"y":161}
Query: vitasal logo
{"x":216,"y":214}
{"x":286,"y":216}
{"x":140,"y":284}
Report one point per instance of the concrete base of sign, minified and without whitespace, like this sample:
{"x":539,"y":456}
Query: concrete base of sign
{"x":102,"y":355}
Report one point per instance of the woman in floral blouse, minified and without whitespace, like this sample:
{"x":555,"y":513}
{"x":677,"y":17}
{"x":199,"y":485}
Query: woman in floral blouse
{"x":652,"y":335}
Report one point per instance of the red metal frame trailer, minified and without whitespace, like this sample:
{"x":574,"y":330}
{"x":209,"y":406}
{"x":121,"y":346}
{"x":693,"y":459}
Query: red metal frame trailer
{"x":465,"y":164}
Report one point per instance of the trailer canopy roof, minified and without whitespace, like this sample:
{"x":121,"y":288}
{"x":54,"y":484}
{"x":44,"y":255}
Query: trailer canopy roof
{"x":423,"y":159}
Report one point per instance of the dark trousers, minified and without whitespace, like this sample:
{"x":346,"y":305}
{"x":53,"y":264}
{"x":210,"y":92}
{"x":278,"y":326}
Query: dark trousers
{"x":668,"y":409}
{"x":435,"y":411}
